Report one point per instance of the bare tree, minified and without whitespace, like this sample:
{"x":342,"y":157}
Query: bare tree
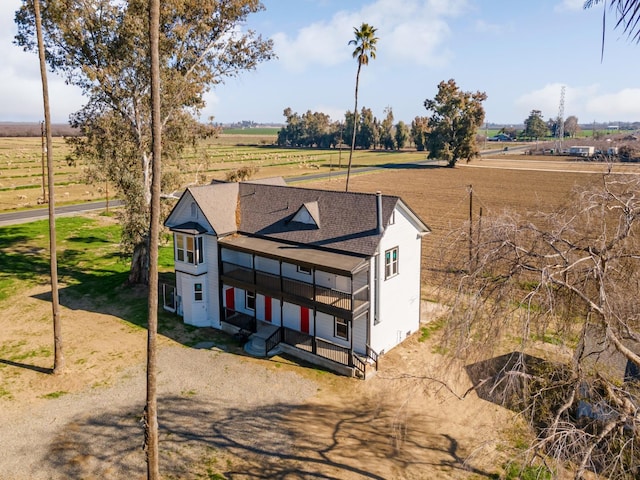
{"x":568,"y":279}
{"x":58,"y":357}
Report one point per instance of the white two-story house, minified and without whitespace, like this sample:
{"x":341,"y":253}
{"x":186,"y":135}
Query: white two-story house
{"x":330,"y":277}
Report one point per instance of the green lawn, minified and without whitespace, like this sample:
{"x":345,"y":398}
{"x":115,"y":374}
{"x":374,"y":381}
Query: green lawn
{"x":89,"y":257}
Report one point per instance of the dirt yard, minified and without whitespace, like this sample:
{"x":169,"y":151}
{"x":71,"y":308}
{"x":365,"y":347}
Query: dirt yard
{"x":223,"y":413}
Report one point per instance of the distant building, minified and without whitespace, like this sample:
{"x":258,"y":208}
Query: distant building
{"x":586,"y":151}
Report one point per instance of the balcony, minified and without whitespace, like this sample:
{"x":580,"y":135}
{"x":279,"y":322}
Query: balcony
{"x":275,"y":285}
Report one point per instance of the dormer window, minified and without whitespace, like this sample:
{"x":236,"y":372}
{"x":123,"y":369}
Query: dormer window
{"x":189,"y":249}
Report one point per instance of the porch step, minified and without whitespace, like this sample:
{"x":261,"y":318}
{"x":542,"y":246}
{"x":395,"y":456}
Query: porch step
{"x":255,"y":347}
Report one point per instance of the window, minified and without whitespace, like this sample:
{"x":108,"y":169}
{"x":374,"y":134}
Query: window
{"x":189,"y":249}
{"x":194,"y":210}
{"x":391,"y":263}
{"x":180,"y":247}
{"x":341,"y":328}
{"x":305,"y":270}
{"x":250,"y":300}
{"x":197,"y":292}
{"x":392,"y":218}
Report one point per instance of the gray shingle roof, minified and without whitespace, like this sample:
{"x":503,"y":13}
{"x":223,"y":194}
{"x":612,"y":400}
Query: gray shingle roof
{"x":348,"y":220}
{"x":218,"y":202}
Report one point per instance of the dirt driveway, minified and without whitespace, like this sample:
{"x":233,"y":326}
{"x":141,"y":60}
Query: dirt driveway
{"x":223,"y":413}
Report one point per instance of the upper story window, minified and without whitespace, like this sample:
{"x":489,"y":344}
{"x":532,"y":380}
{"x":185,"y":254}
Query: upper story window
{"x":194,"y":210}
{"x":189,"y":249}
{"x":392,"y":218}
{"x":391,"y":263}
{"x":305,"y":270}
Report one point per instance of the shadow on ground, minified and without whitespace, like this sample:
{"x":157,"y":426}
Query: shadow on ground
{"x":280,"y":441}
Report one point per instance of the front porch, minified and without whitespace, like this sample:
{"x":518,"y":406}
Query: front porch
{"x":269,"y":340}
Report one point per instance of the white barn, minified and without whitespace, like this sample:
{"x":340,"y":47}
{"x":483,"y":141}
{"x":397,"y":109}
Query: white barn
{"x":330,"y":277}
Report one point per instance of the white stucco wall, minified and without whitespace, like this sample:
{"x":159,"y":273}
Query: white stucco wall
{"x":268,"y":265}
{"x":261,"y":310}
{"x":291,"y":317}
{"x":359,"y":332}
{"x":193,"y":312}
{"x":213,"y":280}
{"x":399,"y":295}
{"x":290,"y":270}
{"x":238,"y":258}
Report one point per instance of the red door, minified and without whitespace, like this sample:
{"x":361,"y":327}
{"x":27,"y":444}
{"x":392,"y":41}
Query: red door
{"x":267,"y":309}
{"x":304,"y":320}
{"x":231,"y":299}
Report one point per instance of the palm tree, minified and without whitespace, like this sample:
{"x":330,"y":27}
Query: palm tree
{"x":365,"y":42}
{"x":58,"y":357}
{"x":628,"y":12}
{"x":151,"y":414}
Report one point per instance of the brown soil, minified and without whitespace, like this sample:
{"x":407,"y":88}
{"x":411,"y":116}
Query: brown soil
{"x":272,"y":418}
{"x":84,"y":423}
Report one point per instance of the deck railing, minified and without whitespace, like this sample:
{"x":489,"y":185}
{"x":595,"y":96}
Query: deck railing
{"x":300,"y":340}
{"x":322,"y":348}
{"x":242,"y":321}
{"x":237,"y":272}
{"x":331,"y":351}
{"x":273,"y":340}
{"x":274,"y":283}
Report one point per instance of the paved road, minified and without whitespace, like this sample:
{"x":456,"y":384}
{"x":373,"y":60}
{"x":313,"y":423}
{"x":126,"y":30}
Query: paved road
{"x":24,"y":216}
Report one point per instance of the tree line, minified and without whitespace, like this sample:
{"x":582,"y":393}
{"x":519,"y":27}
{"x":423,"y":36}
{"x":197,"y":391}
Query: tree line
{"x":316,"y":129}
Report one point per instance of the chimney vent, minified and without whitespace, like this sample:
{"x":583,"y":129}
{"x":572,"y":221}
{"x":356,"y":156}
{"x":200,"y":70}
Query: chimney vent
{"x":379,"y":226}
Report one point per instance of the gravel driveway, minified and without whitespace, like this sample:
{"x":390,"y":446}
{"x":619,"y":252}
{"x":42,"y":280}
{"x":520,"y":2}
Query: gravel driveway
{"x":209,"y":401}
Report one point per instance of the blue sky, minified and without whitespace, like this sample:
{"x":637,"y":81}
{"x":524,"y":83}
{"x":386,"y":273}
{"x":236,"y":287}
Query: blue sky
{"x":519,"y":52}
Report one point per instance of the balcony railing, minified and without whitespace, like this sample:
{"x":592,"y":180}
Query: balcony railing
{"x":296,"y":288}
{"x":237,"y":272}
{"x":332,"y":297}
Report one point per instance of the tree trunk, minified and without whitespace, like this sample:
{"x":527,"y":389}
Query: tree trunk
{"x":151,"y":434}
{"x":58,"y":357}
{"x":139,"y":272}
{"x":355,"y":127}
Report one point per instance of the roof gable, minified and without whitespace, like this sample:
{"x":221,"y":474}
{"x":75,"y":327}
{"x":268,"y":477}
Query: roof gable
{"x":308,"y":213}
{"x":186,"y":211}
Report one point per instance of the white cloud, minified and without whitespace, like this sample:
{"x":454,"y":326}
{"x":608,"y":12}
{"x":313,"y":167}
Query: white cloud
{"x":546,"y":99}
{"x":21,"y":92}
{"x":587,"y":102}
{"x":408,"y":31}
{"x":569,"y":5}
{"x":621,"y":105}
{"x":485,"y":27}
{"x":335,"y":113}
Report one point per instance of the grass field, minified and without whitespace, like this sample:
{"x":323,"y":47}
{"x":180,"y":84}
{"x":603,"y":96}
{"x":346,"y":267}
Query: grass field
{"x":21,"y":165}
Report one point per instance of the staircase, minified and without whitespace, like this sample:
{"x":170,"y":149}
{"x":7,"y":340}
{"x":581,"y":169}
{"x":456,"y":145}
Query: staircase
{"x":255,"y":346}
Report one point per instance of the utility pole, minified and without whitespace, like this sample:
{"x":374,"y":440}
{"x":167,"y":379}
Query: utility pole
{"x":44,"y":150}
{"x":560,"y":120}
{"x":340,"y":149}
{"x":470,"y":227}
